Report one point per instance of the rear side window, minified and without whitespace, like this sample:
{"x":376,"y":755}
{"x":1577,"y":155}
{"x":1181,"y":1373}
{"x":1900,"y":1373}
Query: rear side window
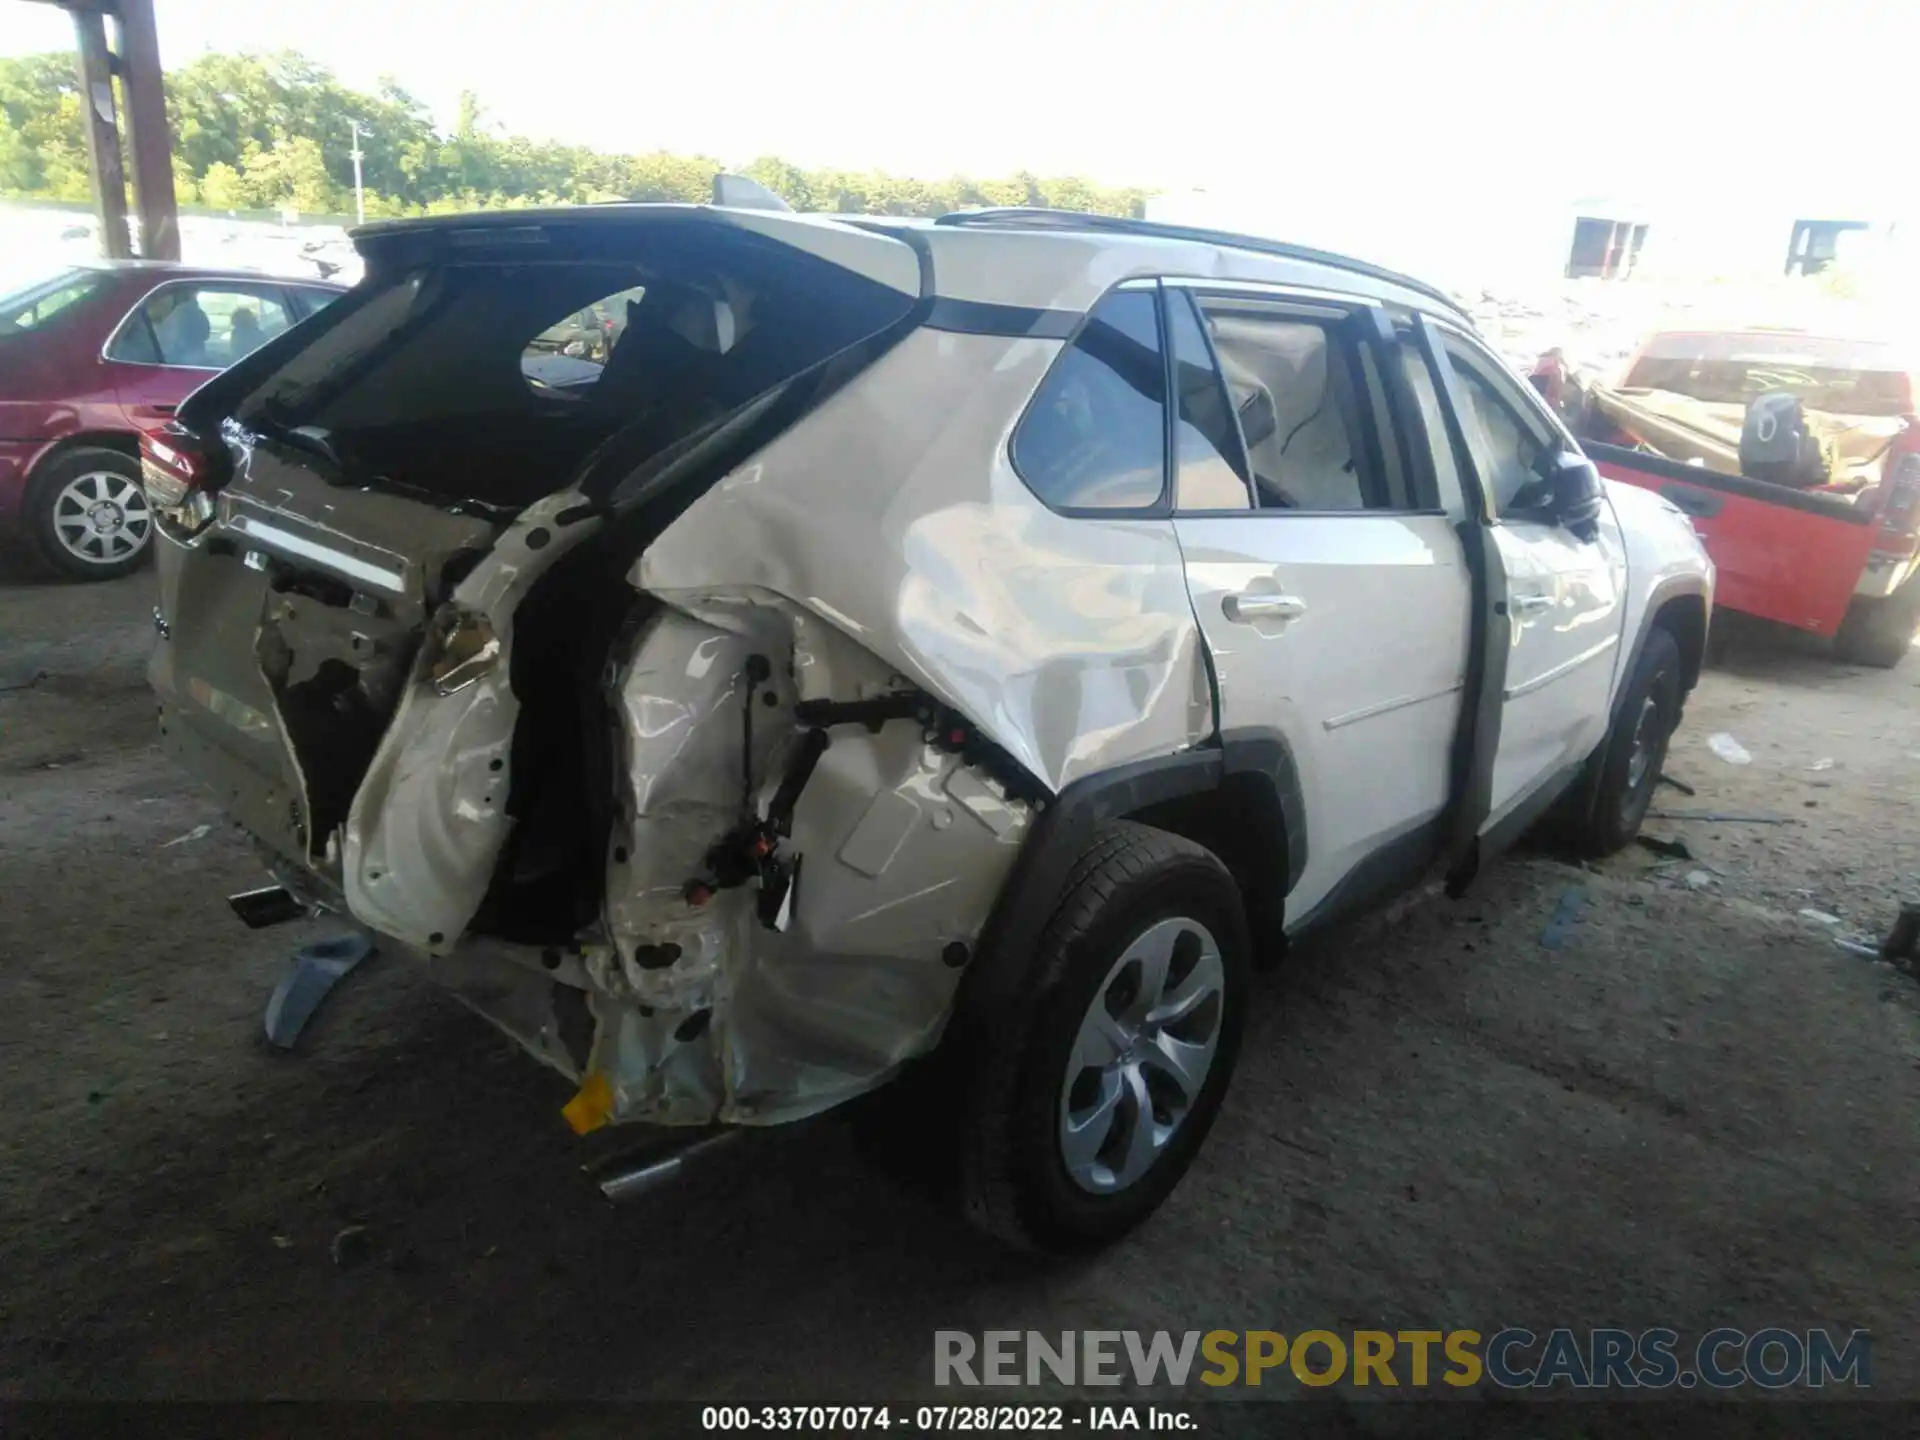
{"x":309,"y":301}
{"x":199,"y":326}
{"x":1094,"y":437}
{"x":1305,"y":406}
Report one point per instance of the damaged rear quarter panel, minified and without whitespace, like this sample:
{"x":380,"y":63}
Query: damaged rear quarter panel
{"x":894,"y":514}
{"x":704,"y":1011}
{"x":884,"y":543}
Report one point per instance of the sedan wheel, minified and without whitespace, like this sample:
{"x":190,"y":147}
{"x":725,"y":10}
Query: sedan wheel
{"x":88,"y":515}
{"x":101,"y":518}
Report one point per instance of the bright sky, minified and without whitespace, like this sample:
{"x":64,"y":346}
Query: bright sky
{"x":1656,"y":98}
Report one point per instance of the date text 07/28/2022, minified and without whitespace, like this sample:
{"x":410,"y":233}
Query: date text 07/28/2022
{"x":928,"y":1419}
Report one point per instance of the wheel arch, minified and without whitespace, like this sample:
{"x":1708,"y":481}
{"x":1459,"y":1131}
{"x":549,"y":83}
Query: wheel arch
{"x":1686,"y":617}
{"x":1240,"y":798}
{"x":1680,"y":607}
{"x":126,"y":442}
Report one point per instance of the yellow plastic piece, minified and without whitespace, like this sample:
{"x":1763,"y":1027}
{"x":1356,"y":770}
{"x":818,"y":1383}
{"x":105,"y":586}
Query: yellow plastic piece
{"x":592,"y":1107}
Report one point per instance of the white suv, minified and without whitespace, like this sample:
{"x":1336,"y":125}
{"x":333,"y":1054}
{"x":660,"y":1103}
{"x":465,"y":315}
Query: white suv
{"x":973,"y":640}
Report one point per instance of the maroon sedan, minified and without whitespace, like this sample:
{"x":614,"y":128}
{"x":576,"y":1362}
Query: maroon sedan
{"x":91,"y":358}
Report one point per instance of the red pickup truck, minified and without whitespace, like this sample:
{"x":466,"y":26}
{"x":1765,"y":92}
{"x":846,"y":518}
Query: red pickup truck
{"x":1827,"y":540}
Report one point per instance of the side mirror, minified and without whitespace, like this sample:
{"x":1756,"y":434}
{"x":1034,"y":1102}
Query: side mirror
{"x":1567,"y":494}
{"x":1577,"y":496}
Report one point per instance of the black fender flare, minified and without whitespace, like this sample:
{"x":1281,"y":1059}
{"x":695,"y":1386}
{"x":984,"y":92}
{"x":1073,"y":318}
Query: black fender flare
{"x":1258,"y":761}
{"x":1674,"y":587}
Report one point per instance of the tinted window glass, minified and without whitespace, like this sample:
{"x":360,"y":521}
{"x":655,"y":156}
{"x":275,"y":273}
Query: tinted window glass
{"x":204,"y":327}
{"x":1296,"y":385}
{"x":32,"y":308}
{"x":1505,"y":448}
{"x":1212,"y":469}
{"x":312,"y":302}
{"x":567,"y":357}
{"x":1094,"y":436}
{"x":1420,"y":380}
{"x":1395,"y":472}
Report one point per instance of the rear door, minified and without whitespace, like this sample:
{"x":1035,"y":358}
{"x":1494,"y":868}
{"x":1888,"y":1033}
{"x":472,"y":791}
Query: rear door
{"x":1564,"y":595}
{"x":1325,"y":572}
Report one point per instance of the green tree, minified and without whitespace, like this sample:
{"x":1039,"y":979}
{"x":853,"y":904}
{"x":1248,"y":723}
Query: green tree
{"x":277,"y":129}
{"x":222,"y":187}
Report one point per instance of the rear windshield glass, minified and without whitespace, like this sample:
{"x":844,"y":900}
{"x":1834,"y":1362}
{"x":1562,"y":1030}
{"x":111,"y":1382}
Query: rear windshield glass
{"x":33,"y":307}
{"x":1847,"y":377}
{"x":492,"y":380}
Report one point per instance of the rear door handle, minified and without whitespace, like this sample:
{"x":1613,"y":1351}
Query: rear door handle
{"x":1251,"y":605}
{"x":1530,"y":604}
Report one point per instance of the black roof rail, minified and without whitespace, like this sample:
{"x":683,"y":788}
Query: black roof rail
{"x":1036,"y":217}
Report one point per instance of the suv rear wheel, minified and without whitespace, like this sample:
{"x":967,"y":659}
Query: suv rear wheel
{"x":1081,"y":1122}
{"x":88,"y":515}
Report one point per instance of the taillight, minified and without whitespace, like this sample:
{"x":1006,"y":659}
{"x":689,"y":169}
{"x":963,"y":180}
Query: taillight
{"x":1900,"y":512}
{"x":181,"y":472}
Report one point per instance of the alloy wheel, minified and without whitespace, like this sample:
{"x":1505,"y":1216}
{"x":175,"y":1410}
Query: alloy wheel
{"x":1142,"y":1055}
{"x":101,"y":517}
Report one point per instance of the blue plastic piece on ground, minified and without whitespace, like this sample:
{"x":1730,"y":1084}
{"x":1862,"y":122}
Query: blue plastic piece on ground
{"x":314,"y":970}
{"x":1566,"y":915}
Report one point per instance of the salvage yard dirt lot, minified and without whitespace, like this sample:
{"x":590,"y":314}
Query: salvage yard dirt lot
{"x":1697,"y":1110}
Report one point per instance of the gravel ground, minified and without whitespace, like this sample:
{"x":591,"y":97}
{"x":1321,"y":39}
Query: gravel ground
{"x":1697,"y":1111}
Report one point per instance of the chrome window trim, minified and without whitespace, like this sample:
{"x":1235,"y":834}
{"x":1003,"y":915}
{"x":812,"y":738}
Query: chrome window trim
{"x":242,"y":286}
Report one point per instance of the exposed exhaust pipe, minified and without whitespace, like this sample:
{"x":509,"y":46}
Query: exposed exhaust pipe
{"x":631,"y":1178}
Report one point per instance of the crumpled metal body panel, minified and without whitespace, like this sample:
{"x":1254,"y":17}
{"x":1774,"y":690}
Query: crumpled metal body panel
{"x":902,"y":849}
{"x":895,"y":514}
{"x":430,"y":817}
{"x":232,"y":637}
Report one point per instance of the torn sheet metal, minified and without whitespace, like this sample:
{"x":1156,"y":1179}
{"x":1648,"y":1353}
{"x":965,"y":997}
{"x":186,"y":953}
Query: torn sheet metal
{"x":278,"y":613}
{"x":703,"y":1010}
{"x":546,"y":1011}
{"x":428,"y":820}
{"x":1070,"y":642}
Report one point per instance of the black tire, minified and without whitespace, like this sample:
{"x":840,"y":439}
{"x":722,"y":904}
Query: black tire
{"x":1014,"y":1175}
{"x":52,"y":511}
{"x":1652,"y":699}
{"x":1878,"y":632}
